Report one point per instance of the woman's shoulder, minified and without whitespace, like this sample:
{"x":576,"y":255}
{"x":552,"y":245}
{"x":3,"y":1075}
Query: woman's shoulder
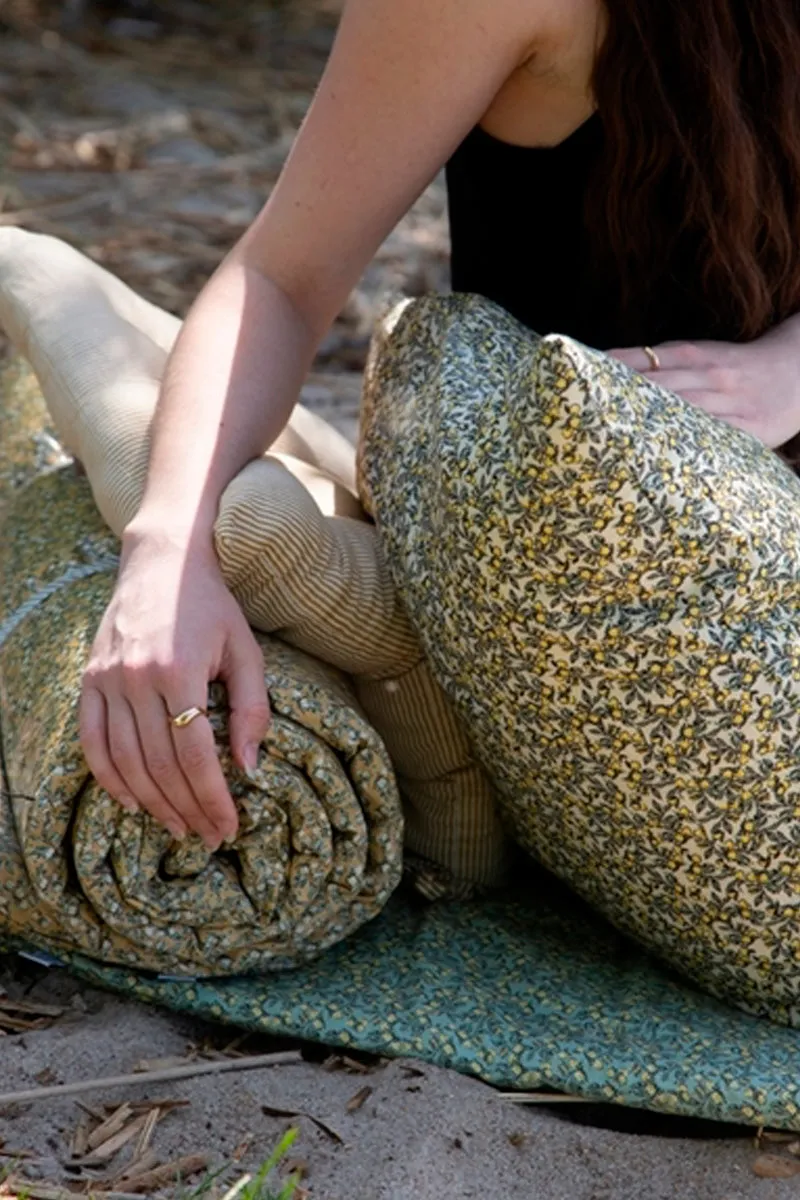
{"x":550,"y":95}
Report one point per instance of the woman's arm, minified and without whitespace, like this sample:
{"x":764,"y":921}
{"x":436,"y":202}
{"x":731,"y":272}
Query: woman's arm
{"x":406,"y":81}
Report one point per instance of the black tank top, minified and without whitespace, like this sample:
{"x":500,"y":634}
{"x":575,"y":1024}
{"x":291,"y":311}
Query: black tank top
{"x":519,"y":237}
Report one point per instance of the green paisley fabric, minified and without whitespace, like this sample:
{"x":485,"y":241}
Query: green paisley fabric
{"x":319,"y":849}
{"x":528,"y":992}
{"x":606,"y":581}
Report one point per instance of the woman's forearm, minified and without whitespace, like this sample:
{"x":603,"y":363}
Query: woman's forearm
{"x":230,"y":385}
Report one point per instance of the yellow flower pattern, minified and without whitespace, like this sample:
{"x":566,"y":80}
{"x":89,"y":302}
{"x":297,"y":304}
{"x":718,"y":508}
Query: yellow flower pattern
{"x":319,"y":848}
{"x":606,"y":580}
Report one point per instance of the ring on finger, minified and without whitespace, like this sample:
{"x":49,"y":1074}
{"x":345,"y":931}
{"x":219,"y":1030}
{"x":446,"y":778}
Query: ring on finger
{"x":655,"y":361}
{"x":182,"y":719}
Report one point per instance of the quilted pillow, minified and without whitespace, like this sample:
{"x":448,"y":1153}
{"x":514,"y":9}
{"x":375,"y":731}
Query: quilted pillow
{"x":606,"y":582}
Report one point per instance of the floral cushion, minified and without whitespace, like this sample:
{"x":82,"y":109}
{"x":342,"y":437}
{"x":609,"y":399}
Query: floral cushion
{"x":606,"y":581}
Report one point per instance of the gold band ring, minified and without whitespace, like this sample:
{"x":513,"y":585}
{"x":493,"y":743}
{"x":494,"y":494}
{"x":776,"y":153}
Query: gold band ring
{"x":187,"y":716}
{"x":655,"y":361}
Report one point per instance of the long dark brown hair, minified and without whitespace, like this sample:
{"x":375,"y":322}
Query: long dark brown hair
{"x":700,"y":100}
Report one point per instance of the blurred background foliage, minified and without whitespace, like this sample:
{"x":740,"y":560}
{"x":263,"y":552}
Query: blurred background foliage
{"x":149,"y":134}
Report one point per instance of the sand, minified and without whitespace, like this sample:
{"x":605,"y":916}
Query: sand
{"x":421,"y":1133}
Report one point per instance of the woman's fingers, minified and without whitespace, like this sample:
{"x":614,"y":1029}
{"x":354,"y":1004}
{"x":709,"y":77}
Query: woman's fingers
{"x":163,"y":767}
{"x":634,"y":357}
{"x":94,"y":739}
{"x":243,"y":672}
{"x":127,"y":757}
{"x":133,"y":750}
{"x":196,"y":754}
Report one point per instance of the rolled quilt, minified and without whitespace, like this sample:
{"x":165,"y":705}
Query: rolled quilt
{"x":320,"y":842}
{"x":292,"y":541}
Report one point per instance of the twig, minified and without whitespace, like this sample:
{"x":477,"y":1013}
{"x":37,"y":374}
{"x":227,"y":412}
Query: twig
{"x":114,"y":1081}
{"x":233,"y":1192}
{"x":38,"y":1191}
{"x":543,"y":1098}
{"x":180,"y":1169}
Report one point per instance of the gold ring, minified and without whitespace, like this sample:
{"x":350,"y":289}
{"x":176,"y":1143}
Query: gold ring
{"x":655,"y":361}
{"x":187,"y":716}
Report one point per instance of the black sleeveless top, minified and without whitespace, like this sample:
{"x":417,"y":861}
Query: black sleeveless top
{"x":518,"y":230}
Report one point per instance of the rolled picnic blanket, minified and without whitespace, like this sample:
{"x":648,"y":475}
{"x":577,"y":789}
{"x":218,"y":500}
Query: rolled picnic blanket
{"x":319,"y":848}
{"x":293,"y":543}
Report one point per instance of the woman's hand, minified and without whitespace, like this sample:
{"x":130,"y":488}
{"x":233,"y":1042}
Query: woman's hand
{"x":754,"y":386}
{"x":171,"y":628}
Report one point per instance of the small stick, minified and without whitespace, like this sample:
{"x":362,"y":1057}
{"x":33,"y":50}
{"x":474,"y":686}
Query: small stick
{"x":114,"y":1081}
{"x":133,"y":1169}
{"x":543,"y":1098}
{"x":100,"y":1155}
{"x":109,"y":1127}
{"x":36,"y":1191}
{"x":181,"y":1168}
{"x":233,"y":1192}
{"x":146,"y":1136}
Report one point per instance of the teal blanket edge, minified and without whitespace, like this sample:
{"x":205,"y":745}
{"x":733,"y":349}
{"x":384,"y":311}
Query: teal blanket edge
{"x":522,"y":993}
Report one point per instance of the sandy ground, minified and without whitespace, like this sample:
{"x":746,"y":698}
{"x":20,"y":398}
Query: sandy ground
{"x":420,"y":1134}
{"x":151,"y":146}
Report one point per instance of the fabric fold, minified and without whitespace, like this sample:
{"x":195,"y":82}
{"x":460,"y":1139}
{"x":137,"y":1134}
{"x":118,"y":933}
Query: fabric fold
{"x":319,"y":850}
{"x":292,"y":540}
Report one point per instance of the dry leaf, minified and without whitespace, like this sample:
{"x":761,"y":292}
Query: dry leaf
{"x":243,"y":1146}
{"x":291,"y":1113}
{"x":359,"y":1100}
{"x":343,"y":1062}
{"x":773,"y":1166}
{"x":298,"y":1167}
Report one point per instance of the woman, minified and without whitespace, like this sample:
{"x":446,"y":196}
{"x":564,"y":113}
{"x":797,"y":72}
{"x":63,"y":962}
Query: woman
{"x":634,"y":178}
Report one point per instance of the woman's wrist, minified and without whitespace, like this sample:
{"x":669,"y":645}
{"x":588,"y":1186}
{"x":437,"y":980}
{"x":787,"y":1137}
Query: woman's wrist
{"x":169,"y":533}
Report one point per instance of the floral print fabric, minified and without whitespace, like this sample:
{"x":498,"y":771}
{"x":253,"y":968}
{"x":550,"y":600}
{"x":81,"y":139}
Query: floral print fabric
{"x":606,"y":581}
{"x":319,"y":849}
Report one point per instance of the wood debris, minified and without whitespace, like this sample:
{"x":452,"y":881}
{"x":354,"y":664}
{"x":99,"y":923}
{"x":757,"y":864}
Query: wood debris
{"x":177,"y":1171}
{"x":291,"y":1113}
{"x":344,"y":1062}
{"x":15,"y":1188}
{"x":99,"y":1139}
{"x":18,"y":1016}
{"x":359,"y":1100}
{"x":775,"y":1166}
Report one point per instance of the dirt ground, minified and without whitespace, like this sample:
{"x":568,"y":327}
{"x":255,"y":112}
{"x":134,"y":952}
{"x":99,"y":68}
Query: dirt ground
{"x":149,"y":136}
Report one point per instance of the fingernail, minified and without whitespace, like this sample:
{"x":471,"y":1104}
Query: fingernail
{"x":250,"y":758}
{"x":212,"y":844}
{"x":129,"y":803}
{"x":178,"y":834}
